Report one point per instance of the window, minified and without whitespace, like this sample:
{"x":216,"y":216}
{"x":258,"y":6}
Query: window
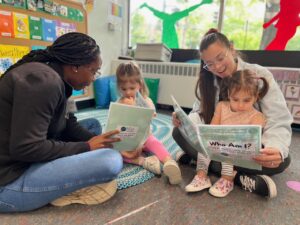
{"x":182,"y":23}
{"x":177,"y":23}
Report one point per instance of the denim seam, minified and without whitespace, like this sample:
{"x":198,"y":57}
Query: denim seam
{"x":65,"y":186}
{"x":7,"y":205}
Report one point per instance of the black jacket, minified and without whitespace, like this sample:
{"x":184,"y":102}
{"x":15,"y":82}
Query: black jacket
{"x":34,"y":124}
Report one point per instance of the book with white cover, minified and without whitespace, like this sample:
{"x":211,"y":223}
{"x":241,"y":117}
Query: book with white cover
{"x":235,"y":144}
{"x":133,"y":123}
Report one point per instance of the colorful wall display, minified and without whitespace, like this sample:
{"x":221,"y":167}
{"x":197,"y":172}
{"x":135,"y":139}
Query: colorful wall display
{"x":25,"y":21}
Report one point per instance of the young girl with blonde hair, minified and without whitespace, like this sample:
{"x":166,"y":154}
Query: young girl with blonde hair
{"x":134,"y":91}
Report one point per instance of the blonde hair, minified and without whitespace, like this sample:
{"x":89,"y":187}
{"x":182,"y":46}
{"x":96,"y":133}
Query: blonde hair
{"x":130,"y":71}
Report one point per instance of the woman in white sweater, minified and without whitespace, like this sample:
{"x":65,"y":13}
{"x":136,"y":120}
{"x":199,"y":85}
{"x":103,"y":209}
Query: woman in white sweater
{"x":219,"y":59}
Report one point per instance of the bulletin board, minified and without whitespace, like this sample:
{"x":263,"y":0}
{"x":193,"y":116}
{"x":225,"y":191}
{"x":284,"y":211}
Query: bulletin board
{"x":15,"y":46}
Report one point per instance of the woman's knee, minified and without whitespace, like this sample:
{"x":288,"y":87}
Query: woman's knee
{"x":285,"y":164}
{"x":117,"y":163}
{"x":101,"y":164}
{"x":92,"y":125}
{"x":112,"y":161}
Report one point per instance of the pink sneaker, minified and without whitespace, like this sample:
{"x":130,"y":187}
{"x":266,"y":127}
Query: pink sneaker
{"x":221,"y":188}
{"x":198,"y":184}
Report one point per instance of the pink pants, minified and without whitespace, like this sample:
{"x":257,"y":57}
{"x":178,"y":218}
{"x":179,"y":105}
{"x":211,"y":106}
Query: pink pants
{"x":154,"y":146}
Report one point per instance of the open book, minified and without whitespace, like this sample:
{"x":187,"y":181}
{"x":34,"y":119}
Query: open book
{"x":188,"y":129}
{"x":235,"y":144}
{"x":132,"y":121}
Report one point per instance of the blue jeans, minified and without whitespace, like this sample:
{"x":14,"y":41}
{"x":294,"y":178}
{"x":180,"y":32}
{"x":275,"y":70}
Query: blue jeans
{"x":45,"y":182}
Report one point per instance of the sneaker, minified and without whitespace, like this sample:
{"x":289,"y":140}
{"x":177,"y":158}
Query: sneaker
{"x":89,"y":196}
{"x":198,"y":184}
{"x":260,"y":184}
{"x":182,"y":158}
{"x":172,"y":171}
{"x":152,"y":164}
{"x":221,"y":188}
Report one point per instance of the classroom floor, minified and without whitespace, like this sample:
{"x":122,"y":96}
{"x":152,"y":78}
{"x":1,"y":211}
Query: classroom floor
{"x":157,"y":202}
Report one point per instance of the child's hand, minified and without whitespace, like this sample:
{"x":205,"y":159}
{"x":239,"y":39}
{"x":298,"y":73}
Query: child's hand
{"x":127,"y":101}
{"x":104,"y":140}
{"x":131,"y":154}
{"x":175,"y":120}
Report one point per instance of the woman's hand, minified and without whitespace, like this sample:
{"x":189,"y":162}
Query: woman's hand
{"x":175,"y":120}
{"x":269,"y":157}
{"x":104,"y":140}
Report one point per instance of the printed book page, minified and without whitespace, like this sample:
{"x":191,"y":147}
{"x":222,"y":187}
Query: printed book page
{"x":133,"y":123}
{"x":188,"y":129}
{"x":235,"y":144}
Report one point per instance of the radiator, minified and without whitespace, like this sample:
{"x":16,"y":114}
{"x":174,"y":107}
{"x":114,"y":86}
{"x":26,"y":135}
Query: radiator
{"x":178,"y":79}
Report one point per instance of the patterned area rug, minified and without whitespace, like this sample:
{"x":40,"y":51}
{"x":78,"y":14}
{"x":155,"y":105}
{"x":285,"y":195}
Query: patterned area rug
{"x":161,"y":128}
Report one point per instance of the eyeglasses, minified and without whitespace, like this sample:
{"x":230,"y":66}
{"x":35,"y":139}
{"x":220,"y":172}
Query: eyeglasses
{"x":97,"y":74}
{"x":94,"y":73}
{"x":219,"y":59}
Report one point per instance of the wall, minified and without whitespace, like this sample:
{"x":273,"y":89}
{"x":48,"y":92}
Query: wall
{"x":112,"y":43}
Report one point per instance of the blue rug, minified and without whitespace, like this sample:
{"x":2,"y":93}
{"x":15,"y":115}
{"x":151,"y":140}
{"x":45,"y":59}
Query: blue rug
{"x":132,"y":175}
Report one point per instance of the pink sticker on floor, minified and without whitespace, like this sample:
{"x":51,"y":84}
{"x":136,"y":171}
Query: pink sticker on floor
{"x":295,"y":185}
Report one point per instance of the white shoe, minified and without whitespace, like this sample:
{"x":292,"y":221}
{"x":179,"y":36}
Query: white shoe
{"x":172,"y":171}
{"x":221,"y":188}
{"x":198,"y":184}
{"x":152,"y":164}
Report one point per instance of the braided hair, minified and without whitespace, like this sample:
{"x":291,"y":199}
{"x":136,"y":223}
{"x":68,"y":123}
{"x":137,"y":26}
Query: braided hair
{"x":70,"y":49}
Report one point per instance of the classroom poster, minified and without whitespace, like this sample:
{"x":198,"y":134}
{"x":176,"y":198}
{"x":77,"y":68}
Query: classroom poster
{"x":5,"y":63}
{"x":6,"y":24}
{"x":10,"y":54}
{"x":32,"y":5}
{"x":20,"y":4}
{"x":35,"y":27}
{"x":63,"y":28}
{"x":21,"y":25}
{"x":49,"y":30}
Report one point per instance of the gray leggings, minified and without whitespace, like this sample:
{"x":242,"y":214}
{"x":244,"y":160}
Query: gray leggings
{"x":215,"y":167}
